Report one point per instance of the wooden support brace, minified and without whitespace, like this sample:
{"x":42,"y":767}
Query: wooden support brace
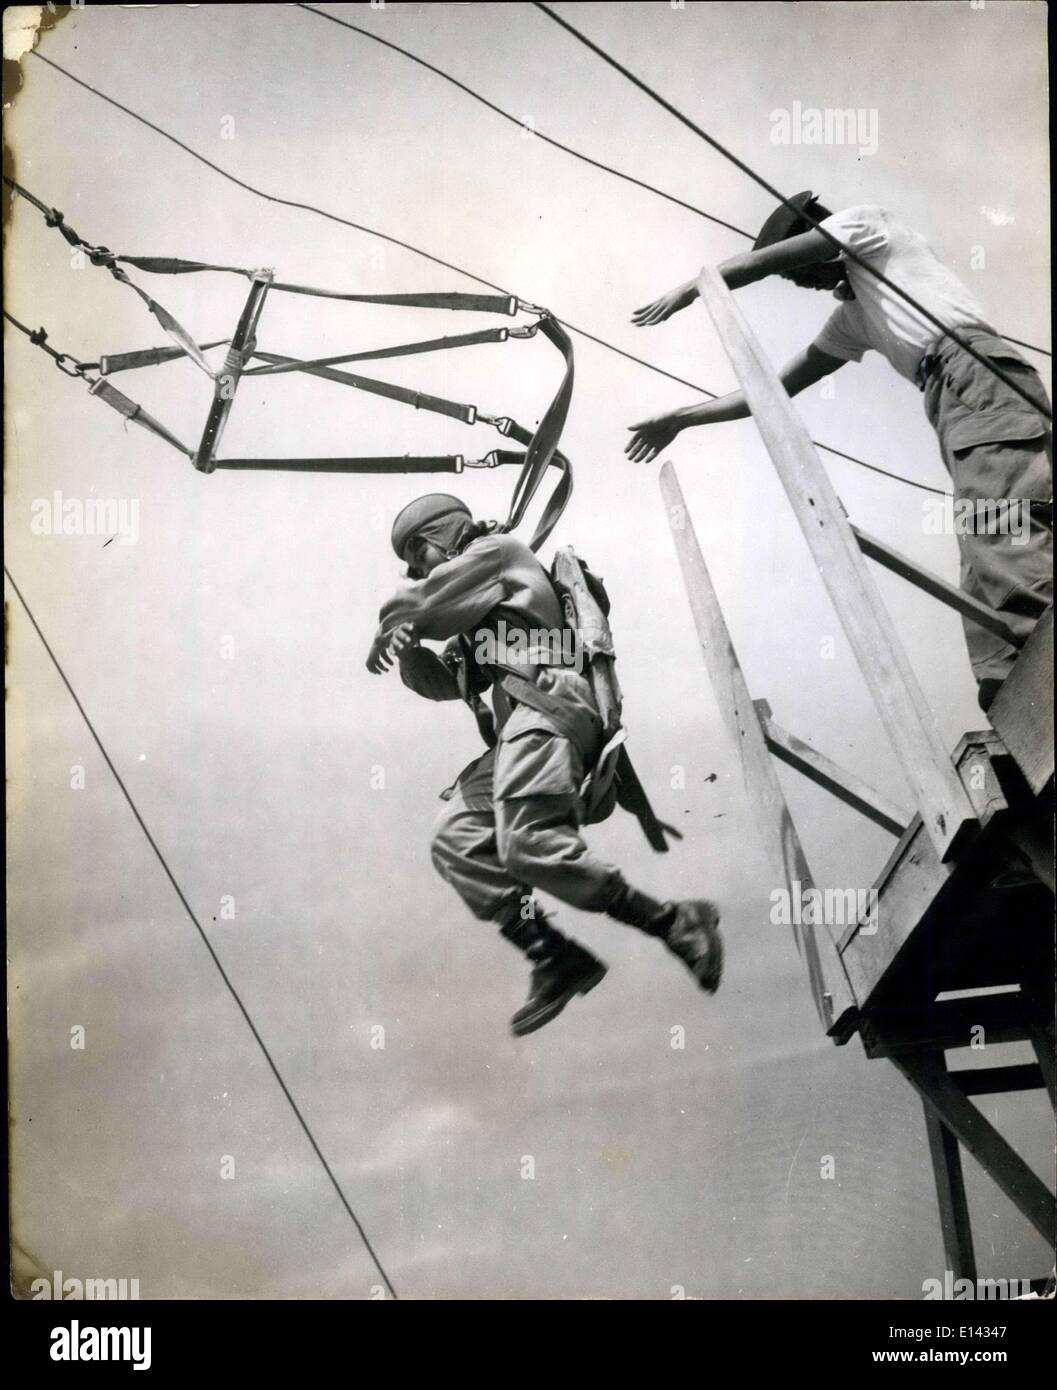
{"x":950,"y":1194}
{"x":845,"y":786}
{"x":1042,"y":1042}
{"x":946,"y":810}
{"x":829,"y":985}
{"x":997,"y":1081}
{"x":936,"y":587}
{"x":997,"y":1157}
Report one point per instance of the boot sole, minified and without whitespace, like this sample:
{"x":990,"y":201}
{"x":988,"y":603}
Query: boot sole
{"x":554,"y":1008}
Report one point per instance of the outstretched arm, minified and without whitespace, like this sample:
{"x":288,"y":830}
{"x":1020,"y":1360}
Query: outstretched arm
{"x":792,"y":254}
{"x":651,"y":437}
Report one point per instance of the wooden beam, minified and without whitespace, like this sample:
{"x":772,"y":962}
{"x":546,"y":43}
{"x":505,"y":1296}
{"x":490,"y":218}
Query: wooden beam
{"x":997,"y":1157}
{"x":950,"y":1195}
{"x":1042,"y":1042}
{"x":829,"y":985}
{"x":845,"y":786}
{"x":946,"y":810}
{"x":1022,"y":713}
{"x":914,"y":877}
{"x":936,"y":587}
{"x":997,"y":1081}
{"x":949,"y":1023}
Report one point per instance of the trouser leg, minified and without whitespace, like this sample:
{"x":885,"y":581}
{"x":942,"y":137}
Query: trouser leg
{"x":1012,"y":572}
{"x":465,"y":852}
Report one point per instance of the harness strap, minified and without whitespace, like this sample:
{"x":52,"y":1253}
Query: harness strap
{"x":419,"y":399}
{"x":404,"y":463}
{"x":172,"y":326}
{"x":480,"y":303}
{"x":145,"y":357}
{"x":631,"y":797}
{"x":544,"y":443}
{"x":131,"y":411}
{"x":484,"y":335}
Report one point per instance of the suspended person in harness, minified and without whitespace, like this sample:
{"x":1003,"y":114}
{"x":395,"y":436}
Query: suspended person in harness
{"x":512,"y":822}
{"x":996,"y":447}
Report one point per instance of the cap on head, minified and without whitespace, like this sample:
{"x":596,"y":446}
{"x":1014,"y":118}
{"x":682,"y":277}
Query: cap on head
{"x":785,"y":222}
{"x":420,"y":513}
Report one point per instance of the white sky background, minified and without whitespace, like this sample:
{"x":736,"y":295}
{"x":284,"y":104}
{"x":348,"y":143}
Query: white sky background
{"x":654,"y":1167}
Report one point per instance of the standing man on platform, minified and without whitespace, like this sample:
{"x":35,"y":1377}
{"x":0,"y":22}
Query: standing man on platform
{"x":996,"y":447}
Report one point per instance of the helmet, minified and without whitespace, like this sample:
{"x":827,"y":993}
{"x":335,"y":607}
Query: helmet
{"x":420,"y":513}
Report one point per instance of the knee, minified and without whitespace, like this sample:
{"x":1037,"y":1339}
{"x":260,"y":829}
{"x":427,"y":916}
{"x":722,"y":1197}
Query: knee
{"x":444,"y":844}
{"x":521,"y":852}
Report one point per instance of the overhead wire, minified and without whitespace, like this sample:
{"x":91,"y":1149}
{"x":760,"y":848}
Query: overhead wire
{"x":448,"y":265}
{"x":751,"y":173}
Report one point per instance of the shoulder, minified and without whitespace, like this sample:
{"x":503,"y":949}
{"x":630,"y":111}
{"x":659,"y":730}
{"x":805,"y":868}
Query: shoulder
{"x":871,"y":213}
{"x":503,"y":548}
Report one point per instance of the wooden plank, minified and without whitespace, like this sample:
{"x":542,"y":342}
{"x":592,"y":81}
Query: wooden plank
{"x":950,"y":1195}
{"x":950,"y":1023}
{"x":845,"y":786}
{"x":997,"y":1081}
{"x":914,"y":876}
{"x":907,"y":888}
{"x":1022,"y":713}
{"x":946,"y":810}
{"x":829,"y":986}
{"x":936,"y":587}
{"x":994,"y":1154}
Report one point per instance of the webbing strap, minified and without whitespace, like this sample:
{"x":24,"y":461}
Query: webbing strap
{"x":482,"y":303}
{"x":172,"y":326}
{"x":419,"y":399}
{"x":484,"y":335}
{"x":174,"y":265}
{"x":131,"y":411}
{"x":544,"y":442}
{"x":145,"y":357}
{"x":405,"y":463}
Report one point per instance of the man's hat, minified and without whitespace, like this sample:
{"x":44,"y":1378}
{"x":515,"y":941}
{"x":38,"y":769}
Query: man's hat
{"x":784,"y":222}
{"x":420,"y":513}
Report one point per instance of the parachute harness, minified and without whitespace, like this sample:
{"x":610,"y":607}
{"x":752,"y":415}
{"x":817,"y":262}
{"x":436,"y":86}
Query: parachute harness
{"x":540,"y":447}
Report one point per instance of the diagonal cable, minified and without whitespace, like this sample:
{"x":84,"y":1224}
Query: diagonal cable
{"x":205,"y":939}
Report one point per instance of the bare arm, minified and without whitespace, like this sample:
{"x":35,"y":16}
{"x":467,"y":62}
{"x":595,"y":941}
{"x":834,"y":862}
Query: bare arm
{"x":651,"y":437}
{"x":795,"y":252}
{"x":792,"y":254}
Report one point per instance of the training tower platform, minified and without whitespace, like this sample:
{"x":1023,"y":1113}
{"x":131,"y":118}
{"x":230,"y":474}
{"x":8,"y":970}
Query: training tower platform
{"x":958,"y":946}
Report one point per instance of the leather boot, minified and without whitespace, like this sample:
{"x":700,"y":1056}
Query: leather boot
{"x":560,"y":969}
{"x":690,"y":929}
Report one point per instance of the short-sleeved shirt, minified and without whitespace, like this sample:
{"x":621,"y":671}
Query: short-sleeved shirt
{"x":877,"y":317}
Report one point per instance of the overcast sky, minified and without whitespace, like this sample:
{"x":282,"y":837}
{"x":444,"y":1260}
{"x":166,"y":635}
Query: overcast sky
{"x":221,"y":655}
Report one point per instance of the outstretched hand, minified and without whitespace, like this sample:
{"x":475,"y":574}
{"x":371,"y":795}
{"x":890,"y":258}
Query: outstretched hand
{"x":650,"y":437}
{"x":666,"y":306}
{"x":386,"y":648}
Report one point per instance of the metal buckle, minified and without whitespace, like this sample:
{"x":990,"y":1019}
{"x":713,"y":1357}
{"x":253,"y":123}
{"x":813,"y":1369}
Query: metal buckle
{"x":503,"y":423}
{"x":489,"y":461}
{"x":531,"y":308}
{"x":523,"y":330}
{"x":78,"y":369}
